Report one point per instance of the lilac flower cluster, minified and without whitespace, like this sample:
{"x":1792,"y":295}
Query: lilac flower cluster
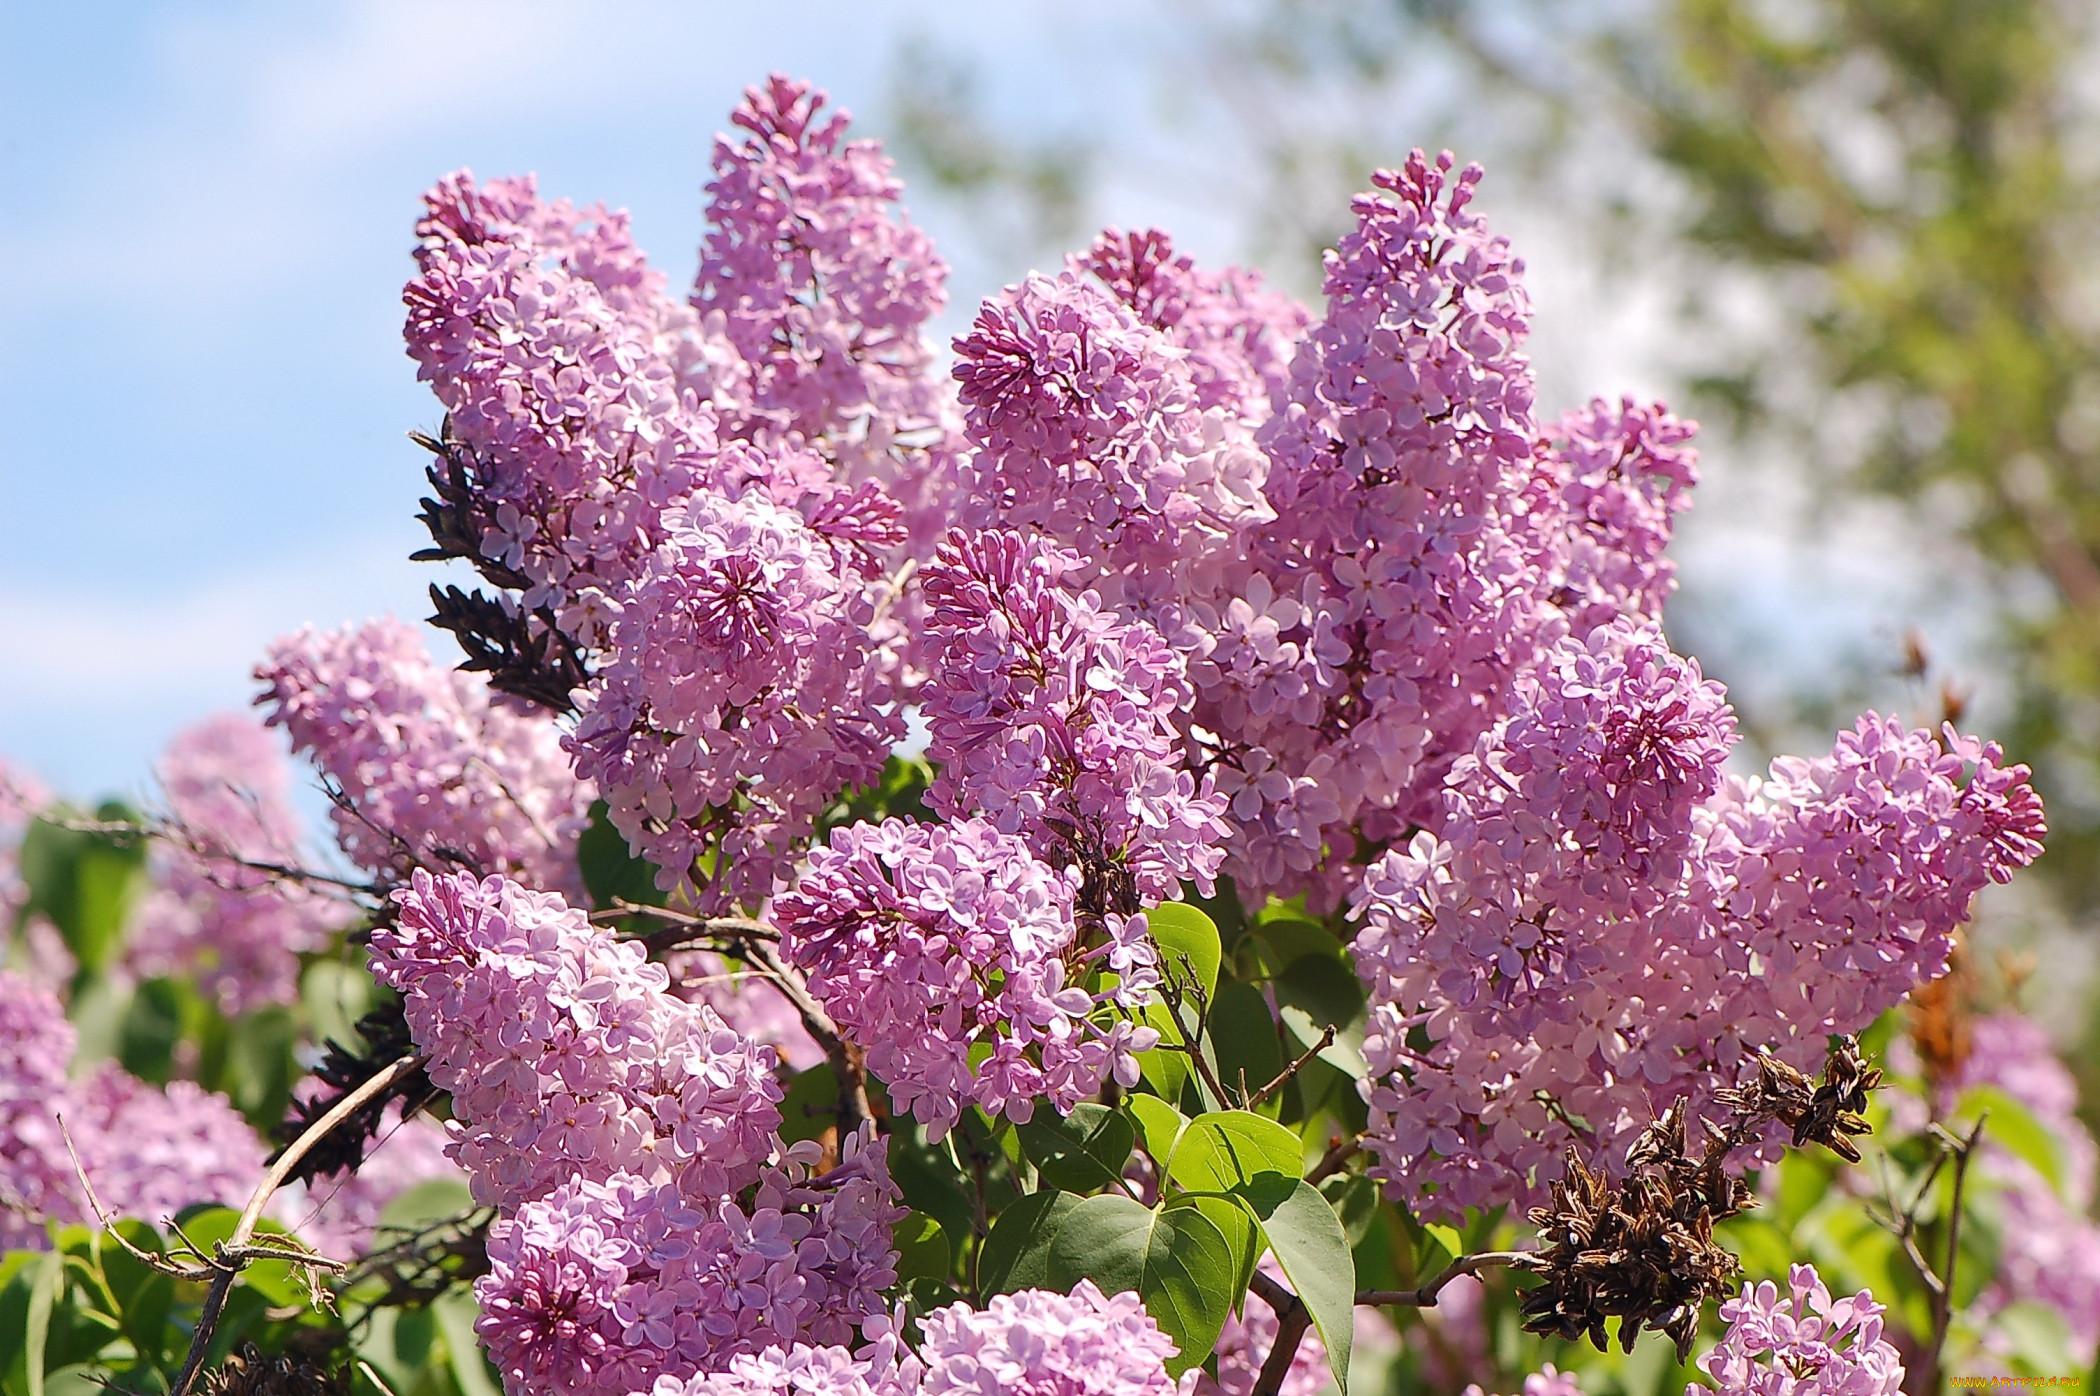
{"x":1056,"y":720}
{"x":1603,"y":921}
{"x":1809,"y":1345}
{"x":1080,"y":1344}
{"x":565,"y":1053}
{"x":1547,"y":1381}
{"x":435,"y":769}
{"x":744,"y":690}
{"x":222,"y":908}
{"x":149,"y":1151}
{"x":619,"y":1128}
{"x":1617,"y":475}
{"x":952,"y":954}
{"x":823,"y":292}
{"x":21,"y":796}
{"x":602,"y":1288}
{"x":562,"y":367}
{"x":1237,"y":332}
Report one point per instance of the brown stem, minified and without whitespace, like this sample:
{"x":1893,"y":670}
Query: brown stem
{"x":1283,"y":1077}
{"x":1292,"y":1321}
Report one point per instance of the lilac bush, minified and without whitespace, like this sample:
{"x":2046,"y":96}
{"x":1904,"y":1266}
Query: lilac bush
{"x":1067,"y":864}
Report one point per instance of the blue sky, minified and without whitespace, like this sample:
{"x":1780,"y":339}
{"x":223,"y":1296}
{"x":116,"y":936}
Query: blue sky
{"x":206,"y":222}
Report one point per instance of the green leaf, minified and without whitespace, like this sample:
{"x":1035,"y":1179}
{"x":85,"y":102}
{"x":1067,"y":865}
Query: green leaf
{"x":610,"y":872}
{"x":426,"y":1203}
{"x":2013,"y":1128}
{"x":1287,"y":939}
{"x":1235,"y":1221}
{"x":1313,"y":1250}
{"x":1164,"y":1069}
{"x":1016,"y":1255}
{"x":1314,"y":993}
{"x":1177,"y":1260}
{"x":1227,"y":1149}
{"x":46,"y":1279}
{"x":1159,"y":1125}
{"x":811,"y":1104}
{"x":922,"y":1248}
{"x":1080,"y":1152}
{"x":456,"y":1311}
{"x":151,"y":1027}
{"x":1181,"y":931}
{"x":85,"y":883}
{"x":1355,"y":1200}
{"x":1440,"y":1245}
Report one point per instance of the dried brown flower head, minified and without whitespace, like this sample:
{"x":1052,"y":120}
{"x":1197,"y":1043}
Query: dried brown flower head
{"x":252,"y":1372}
{"x":1643,"y":1252}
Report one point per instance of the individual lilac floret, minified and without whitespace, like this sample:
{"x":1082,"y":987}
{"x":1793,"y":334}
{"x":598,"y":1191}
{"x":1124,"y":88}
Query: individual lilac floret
{"x":606,"y":1288}
{"x":435,"y":768}
{"x":225,"y":907}
{"x":1607,"y":922}
{"x":565,"y":1053}
{"x":933,"y":945}
{"x":1079,"y":1344}
{"x":744,"y":692}
{"x":1811,"y":1345}
{"x":1056,"y":721}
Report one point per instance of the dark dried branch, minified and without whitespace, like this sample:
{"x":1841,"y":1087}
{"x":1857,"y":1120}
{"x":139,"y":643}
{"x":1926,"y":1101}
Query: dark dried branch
{"x":523,"y":653}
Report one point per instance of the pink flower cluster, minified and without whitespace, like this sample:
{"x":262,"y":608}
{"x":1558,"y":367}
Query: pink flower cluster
{"x":823,"y":292}
{"x":952,"y":954}
{"x":565,"y":1053}
{"x":435,"y":769}
{"x":1547,"y":1381}
{"x":21,"y":796}
{"x":1056,"y":720}
{"x":609,"y":1287}
{"x":1238,"y":333}
{"x":562,"y":367}
{"x":619,"y":1128}
{"x":1080,"y":1344}
{"x":1616,"y":475}
{"x":743,"y":690}
{"x":149,"y":1151}
{"x":1810,"y":1345}
{"x":1603,"y":921}
{"x":223,"y":907}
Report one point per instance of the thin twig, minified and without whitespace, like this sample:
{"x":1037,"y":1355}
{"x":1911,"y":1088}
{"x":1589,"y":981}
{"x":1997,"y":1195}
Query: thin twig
{"x":1424,"y":1295}
{"x":234,"y":1254}
{"x":1336,"y":1158}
